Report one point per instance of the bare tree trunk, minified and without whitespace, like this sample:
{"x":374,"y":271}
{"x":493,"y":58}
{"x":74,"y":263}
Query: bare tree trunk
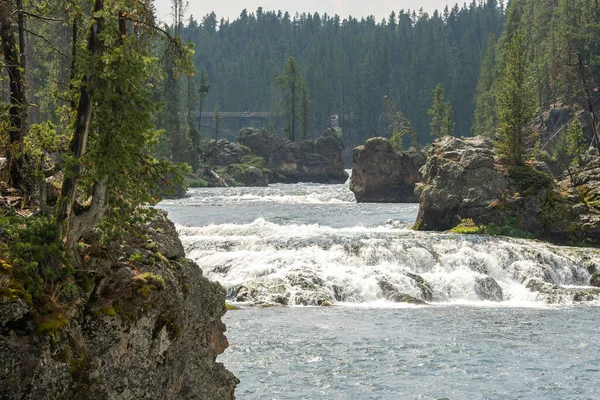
{"x":293,"y":133}
{"x":588,"y":100}
{"x":18,"y":99}
{"x":80,"y":135}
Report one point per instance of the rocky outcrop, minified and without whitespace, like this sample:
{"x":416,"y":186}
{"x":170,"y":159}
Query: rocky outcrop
{"x":380,"y":175}
{"x":226,"y":152}
{"x":148,"y":326}
{"x":463,"y":180}
{"x":318,"y":161}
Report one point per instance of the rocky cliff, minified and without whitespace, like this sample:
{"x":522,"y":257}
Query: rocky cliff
{"x":147,"y":325}
{"x":464,"y":183}
{"x":318,"y":161}
{"x":380,"y":175}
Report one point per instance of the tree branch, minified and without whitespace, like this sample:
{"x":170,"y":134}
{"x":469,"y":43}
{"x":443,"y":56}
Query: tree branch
{"x":47,"y":42}
{"x":38,"y":16}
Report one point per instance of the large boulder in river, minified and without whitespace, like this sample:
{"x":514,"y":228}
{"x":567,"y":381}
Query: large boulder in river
{"x":463,"y":181}
{"x":460,"y":180}
{"x":318,"y":161}
{"x":380,"y":175}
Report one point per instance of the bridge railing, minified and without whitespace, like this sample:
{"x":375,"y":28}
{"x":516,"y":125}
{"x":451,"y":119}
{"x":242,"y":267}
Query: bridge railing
{"x":245,"y":114}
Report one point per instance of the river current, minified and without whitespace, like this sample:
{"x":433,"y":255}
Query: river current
{"x":483,"y":334}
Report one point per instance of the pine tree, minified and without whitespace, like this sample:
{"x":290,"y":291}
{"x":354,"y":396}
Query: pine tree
{"x":516,"y":105}
{"x":292,"y":86}
{"x":441,"y":114}
{"x":448,"y":121}
{"x":576,"y":143}
{"x":304,"y":113}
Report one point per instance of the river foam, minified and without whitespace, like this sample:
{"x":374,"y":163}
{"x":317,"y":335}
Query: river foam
{"x":309,"y":244}
{"x":347,"y":264}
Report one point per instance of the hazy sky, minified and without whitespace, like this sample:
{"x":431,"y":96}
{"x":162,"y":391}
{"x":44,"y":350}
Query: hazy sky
{"x":357,"y":8}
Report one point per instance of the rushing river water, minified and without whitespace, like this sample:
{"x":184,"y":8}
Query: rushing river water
{"x":484,"y":334}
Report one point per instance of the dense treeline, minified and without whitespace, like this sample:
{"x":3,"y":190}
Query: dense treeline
{"x":349,"y":64}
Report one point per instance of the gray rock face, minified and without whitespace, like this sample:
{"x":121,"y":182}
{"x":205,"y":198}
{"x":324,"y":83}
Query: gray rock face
{"x":12,"y":311}
{"x":380,"y":175}
{"x":227,"y":152}
{"x":459,"y":181}
{"x":147,"y":329}
{"x":318,"y":161}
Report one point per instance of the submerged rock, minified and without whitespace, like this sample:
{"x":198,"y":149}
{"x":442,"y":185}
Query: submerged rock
{"x":380,"y":175}
{"x":264,"y":290}
{"x":147,"y":326}
{"x":391,"y":293}
{"x":555,"y":294}
{"x":595,"y":280}
{"x":426,"y":290}
{"x":487,"y":288}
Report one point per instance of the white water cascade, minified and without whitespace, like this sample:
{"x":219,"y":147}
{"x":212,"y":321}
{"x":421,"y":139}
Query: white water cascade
{"x":312,"y":244}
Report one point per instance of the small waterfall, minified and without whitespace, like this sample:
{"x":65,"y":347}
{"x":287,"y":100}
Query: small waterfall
{"x":311,"y":264}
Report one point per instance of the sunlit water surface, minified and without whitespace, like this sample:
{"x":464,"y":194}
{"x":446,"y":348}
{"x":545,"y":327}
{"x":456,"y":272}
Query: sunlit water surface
{"x":365,"y":347}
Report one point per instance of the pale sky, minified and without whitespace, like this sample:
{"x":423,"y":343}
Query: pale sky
{"x":357,"y":8}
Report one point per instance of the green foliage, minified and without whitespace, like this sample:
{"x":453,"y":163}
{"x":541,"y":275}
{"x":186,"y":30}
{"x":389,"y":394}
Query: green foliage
{"x":34,"y":259}
{"x":576,"y":143}
{"x":253,"y":160}
{"x":515,"y":105}
{"x":508,"y":228}
{"x":466,"y":226}
{"x":136,"y":257}
{"x":571,"y":145}
{"x":51,"y":324}
{"x":197,"y":183}
{"x":529,"y":181}
{"x":441,"y":114}
{"x":147,"y":282}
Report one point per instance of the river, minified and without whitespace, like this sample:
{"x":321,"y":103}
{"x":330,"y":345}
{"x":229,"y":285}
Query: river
{"x":483,"y":334}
